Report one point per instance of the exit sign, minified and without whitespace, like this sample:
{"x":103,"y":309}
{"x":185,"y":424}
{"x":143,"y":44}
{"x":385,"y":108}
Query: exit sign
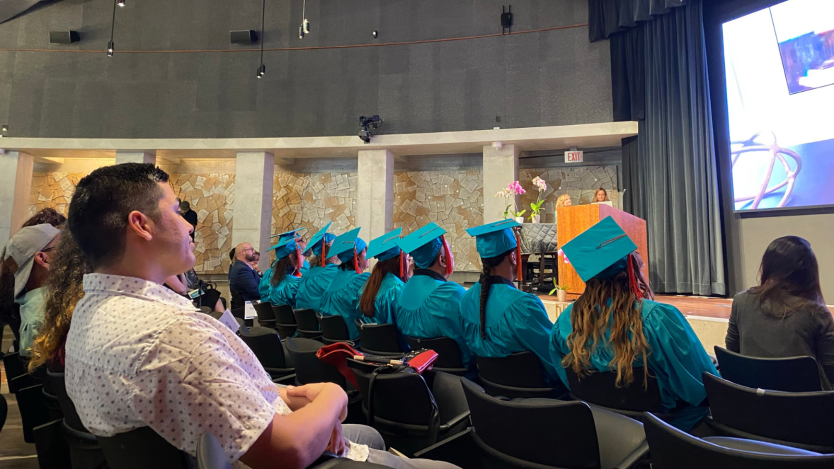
{"x":574,"y":156}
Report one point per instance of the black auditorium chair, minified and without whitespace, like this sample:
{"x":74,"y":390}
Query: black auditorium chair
{"x":266,"y":318}
{"x":379,"y":339}
{"x":284,"y":320}
{"x":308,"y":368}
{"x":16,"y":368}
{"x":792,"y":374}
{"x":516,"y":376}
{"x":333,"y":329}
{"x":600,"y":389}
{"x":411,"y":411}
{"x":674,"y":449}
{"x":237,"y":301}
{"x":798,"y":419}
{"x":308,"y":324}
{"x":549,"y":434}
{"x":448,"y":353}
{"x":4,"y":411}
{"x":141,"y":448}
{"x":267,"y":346}
{"x":85,"y":451}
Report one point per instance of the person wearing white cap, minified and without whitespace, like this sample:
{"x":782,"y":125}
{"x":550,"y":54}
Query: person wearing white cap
{"x":28,"y":255}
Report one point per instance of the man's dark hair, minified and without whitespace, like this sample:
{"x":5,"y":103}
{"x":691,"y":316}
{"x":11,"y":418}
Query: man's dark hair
{"x":185,"y":206}
{"x":101,"y":203}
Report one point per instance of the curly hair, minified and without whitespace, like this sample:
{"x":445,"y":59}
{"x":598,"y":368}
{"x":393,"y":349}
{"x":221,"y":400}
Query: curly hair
{"x":64,"y":289}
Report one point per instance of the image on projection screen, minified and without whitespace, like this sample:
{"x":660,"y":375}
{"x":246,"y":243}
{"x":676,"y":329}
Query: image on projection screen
{"x":779,"y":62}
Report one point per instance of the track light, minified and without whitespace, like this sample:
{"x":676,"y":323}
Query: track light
{"x":110,"y":49}
{"x":110,"y":46}
{"x":121,"y":3}
{"x":4,"y":128}
{"x":261,"y":71}
{"x":305,"y":25}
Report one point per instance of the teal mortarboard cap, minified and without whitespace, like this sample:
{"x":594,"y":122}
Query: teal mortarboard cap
{"x":288,"y":234}
{"x":316,"y":239}
{"x":284,"y":248}
{"x":494,"y":239}
{"x":344,"y":245}
{"x":423,"y":245}
{"x":385,"y":247}
{"x":600,"y":251}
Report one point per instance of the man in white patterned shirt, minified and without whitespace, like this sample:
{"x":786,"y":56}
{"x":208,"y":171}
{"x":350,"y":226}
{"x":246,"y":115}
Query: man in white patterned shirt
{"x":139,"y":355}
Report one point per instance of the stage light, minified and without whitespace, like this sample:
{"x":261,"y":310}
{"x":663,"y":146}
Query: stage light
{"x":121,"y":3}
{"x":4,"y":128}
{"x":305,"y":25}
{"x":110,"y":49}
{"x":261,"y":71}
{"x":375,"y":33}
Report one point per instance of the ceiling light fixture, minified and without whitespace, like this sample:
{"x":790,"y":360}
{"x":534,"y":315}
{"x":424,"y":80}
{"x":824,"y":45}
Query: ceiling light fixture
{"x":305,"y":25}
{"x":262,"y":67}
{"x":110,"y":46}
{"x":121,"y":3}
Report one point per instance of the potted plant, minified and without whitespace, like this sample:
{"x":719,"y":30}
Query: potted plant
{"x":509,"y":194}
{"x":536,"y":206}
{"x":561,"y":291}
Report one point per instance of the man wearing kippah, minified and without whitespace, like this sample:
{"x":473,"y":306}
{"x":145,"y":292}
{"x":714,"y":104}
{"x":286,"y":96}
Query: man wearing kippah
{"x":28,"y":254}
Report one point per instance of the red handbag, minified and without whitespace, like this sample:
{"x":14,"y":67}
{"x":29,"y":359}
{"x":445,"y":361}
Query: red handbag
{"x":338,"y":353}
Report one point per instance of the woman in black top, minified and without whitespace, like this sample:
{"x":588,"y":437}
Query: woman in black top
{"x":785,"y":315}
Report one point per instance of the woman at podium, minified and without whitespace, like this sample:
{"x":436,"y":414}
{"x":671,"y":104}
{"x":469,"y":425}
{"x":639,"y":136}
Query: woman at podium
{"x":616,"y":326}
{"x":601,"y":195}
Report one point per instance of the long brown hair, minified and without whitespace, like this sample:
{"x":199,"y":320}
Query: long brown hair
{"x":488,"y":263}
{"x":7,"y":271}
{"x":592,"y":315}
{"x":789,"y":278}
{"x":604,"y":192}
{"x":64,"y":288}
{"x":381,"y":269}
{"x":281,"y":268}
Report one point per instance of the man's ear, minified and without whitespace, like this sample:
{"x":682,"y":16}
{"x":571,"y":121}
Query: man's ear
{"x":441,"y":258}
{"x":140,"y":224}
{"x":513,"y":258}
{"x":42,"y":260}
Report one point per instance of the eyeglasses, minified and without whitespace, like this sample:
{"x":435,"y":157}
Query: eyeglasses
{"x":48,"y":249}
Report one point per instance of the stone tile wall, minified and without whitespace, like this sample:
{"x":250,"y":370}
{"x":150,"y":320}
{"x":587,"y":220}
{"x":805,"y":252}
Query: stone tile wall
{"x":451,"y":198}
{"x":311,"y":199}
{"x":580,"y":182}
{"x":52,"y":189}
{"x":211,"y":196}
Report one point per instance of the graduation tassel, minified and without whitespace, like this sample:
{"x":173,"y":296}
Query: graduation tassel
{"x":632,"y":279}
{"x":450,"y":262}
{"x":402,"y":261}
{"x":323,"y":250}
{"x":518,"y":256}
{"x":356,"y":261}
{"x":298,"y":261}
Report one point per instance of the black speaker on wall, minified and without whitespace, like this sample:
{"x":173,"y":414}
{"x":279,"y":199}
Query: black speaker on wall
{"x":63,"y":37}
{"x":243,"y":36}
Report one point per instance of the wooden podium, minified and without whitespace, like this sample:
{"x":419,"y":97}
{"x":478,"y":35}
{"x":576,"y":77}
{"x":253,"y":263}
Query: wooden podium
{"x":572,"y":221}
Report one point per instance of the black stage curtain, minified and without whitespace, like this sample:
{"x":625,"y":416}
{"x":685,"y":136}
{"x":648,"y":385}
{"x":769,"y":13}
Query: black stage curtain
{"x":659,"y":75}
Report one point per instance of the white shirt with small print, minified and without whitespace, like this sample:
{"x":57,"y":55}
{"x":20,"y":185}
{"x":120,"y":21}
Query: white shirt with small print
{"x":140,"y":355}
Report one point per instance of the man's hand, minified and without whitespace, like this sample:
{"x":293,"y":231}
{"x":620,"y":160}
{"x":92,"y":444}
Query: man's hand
{"x":337,"y":441}
{"x":312,"y":391}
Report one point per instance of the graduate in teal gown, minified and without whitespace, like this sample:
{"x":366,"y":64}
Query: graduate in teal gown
{"x":428,"y":305}
{"x":264,"y":284}
{"x":286,"y":273}
{"x":381,"y":291}
{"x":342,"y":296}
{"x":316,"y":280}
{"x":656,"y":334}
{"x":498,"y":319}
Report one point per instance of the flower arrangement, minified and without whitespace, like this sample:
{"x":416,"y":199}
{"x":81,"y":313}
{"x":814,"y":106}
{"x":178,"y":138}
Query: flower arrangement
{"x":537,"y":205}
{"x":513,"y":189}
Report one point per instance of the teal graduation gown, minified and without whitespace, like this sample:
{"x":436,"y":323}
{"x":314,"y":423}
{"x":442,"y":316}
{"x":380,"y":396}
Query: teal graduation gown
{"x":677,"y":359}
{"x":264,"y":286}
{"x":342,"y":298}
{"x":428,"y":307}
{"x":285,"y":292}
{"x":304,"y":267}
{"x":386,"y":298}
{"x":515,"y":322}
{"x":312,"y":286}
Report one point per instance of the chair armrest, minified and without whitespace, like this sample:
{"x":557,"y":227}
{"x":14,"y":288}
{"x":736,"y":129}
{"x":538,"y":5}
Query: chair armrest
{"x":326,"y":460}
{"x":285,"y":380}
{"x":457,"y":419}
{"x":635,"y":457}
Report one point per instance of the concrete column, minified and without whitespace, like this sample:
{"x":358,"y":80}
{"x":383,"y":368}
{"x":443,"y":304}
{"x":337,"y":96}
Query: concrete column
{"x":14,"y":193}
{"x":135,"y":157}
{"x":500,"y":169}
{"x":253,"y":201}
{"x":375,"y":193}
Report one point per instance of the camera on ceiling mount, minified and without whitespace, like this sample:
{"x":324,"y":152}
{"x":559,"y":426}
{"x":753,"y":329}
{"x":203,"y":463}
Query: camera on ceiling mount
{"x":368,"y":126}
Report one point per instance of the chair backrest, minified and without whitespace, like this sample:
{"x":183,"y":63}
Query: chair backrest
{"x":801,"y":419}
{"x":266,"y":345}
{"x":550,"y":432}
{"x":521,"y":369}
{"x":237,"y":301}
{"x":392,"y":392}
{"x":140,"y":449}
{"x":378,"y":338}
{"x":448,"y":353}
{"x":333,"y":328}
{"x":264,"y":312}
{"x":283,"y":314}
{"x":674,"y":449}
{"x":308,"y":368}
{"x":56,"y":382}
{"x":306,"y":319}
{"x":600,"y":388}
{"x":792,"y":374}
{"x":15,"y":366}
{"x":210,"y":454}
{"x":4,"y":407}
